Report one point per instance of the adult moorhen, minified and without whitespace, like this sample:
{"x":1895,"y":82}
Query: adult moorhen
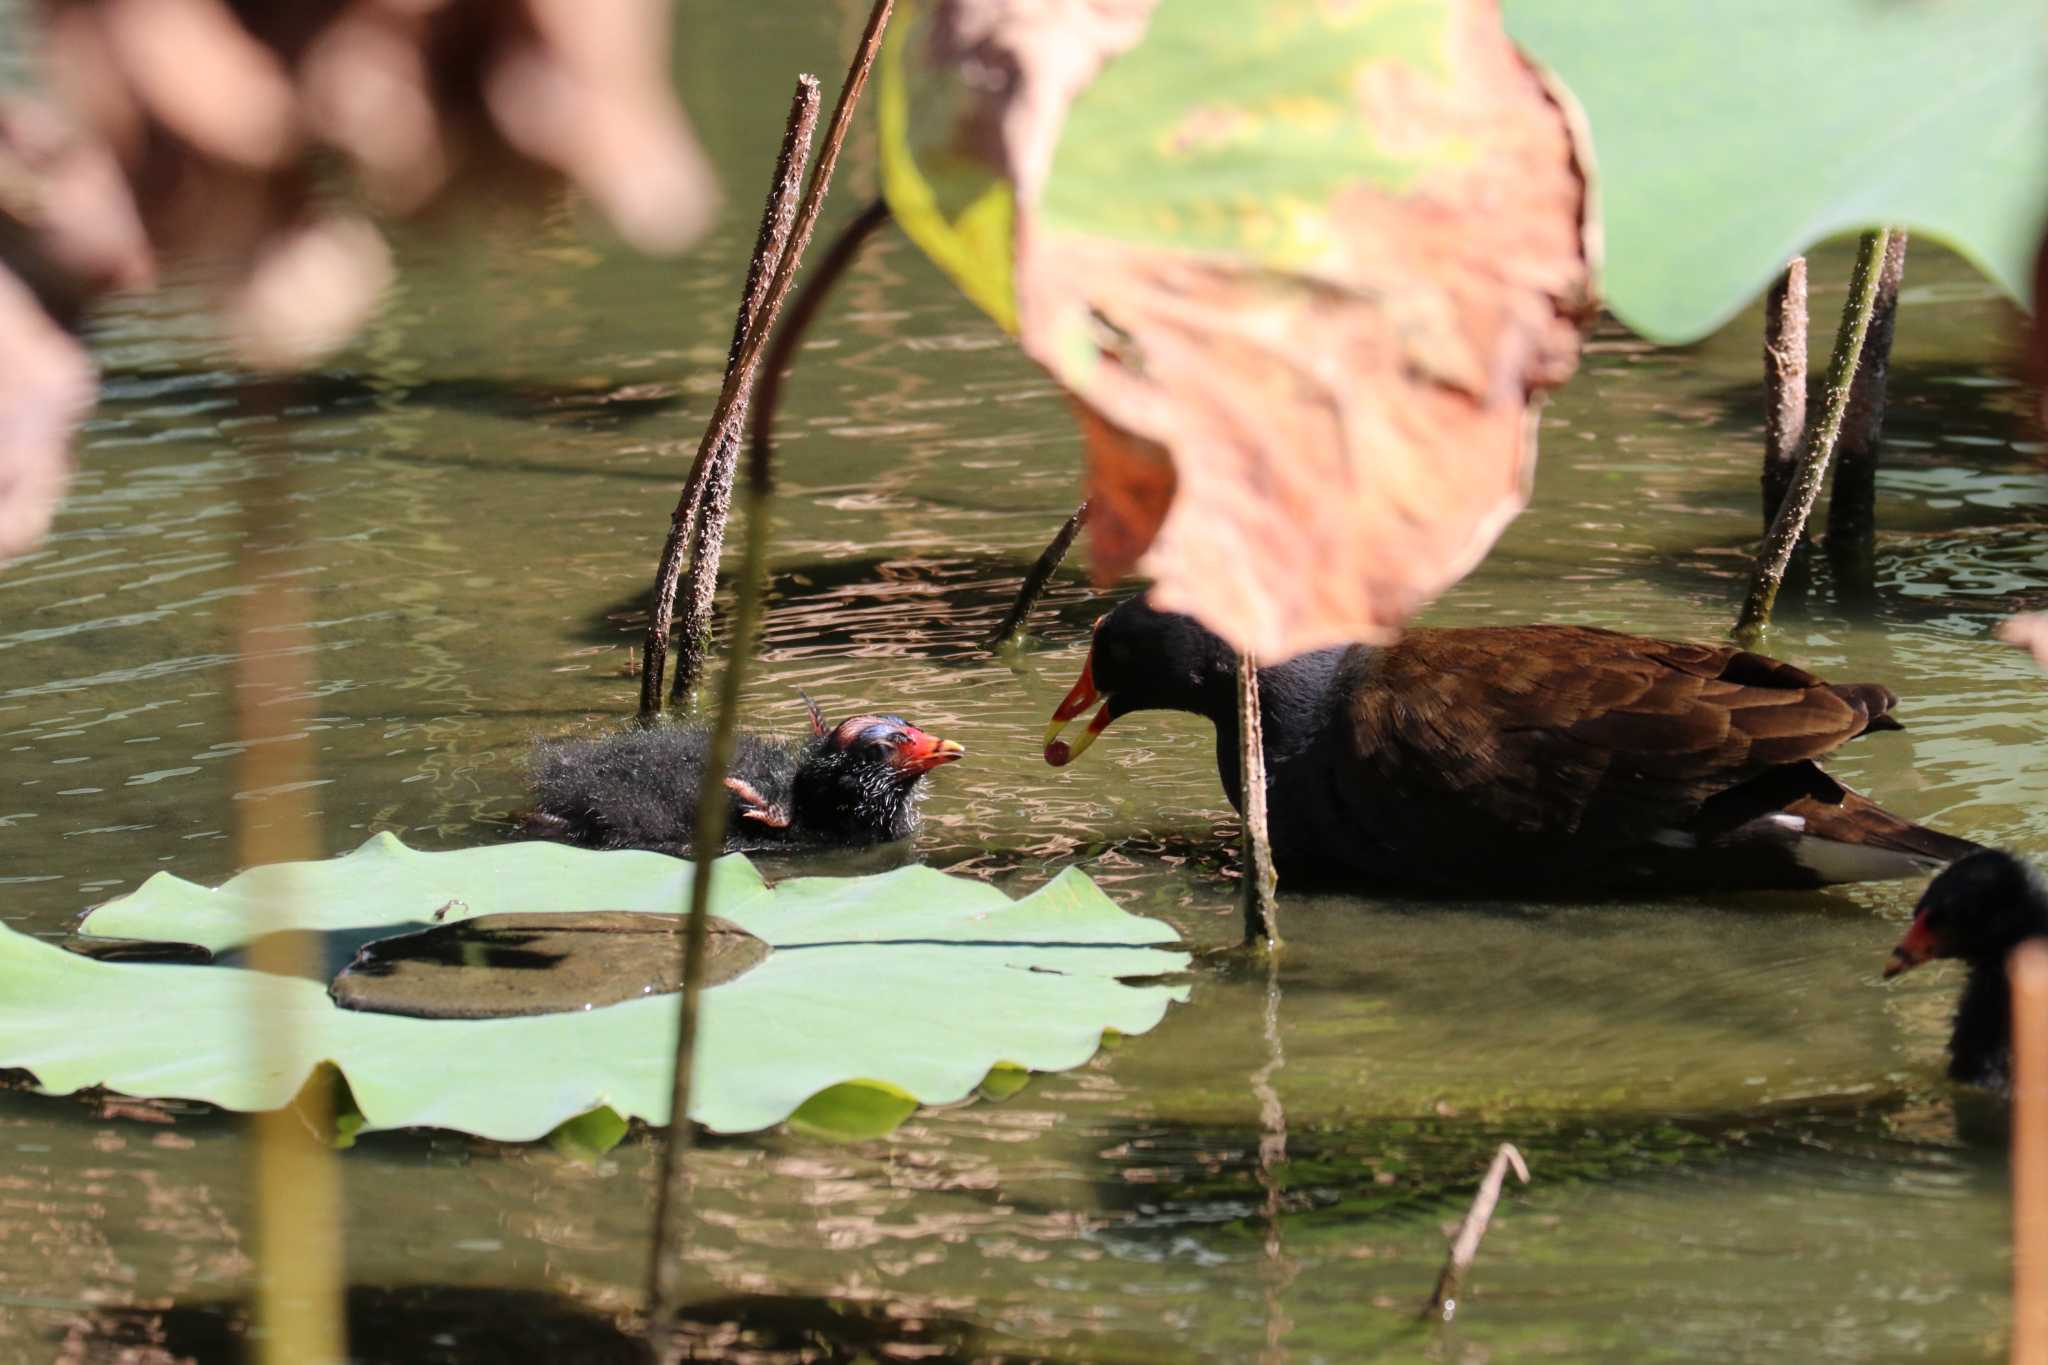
{"x":1526,"y":756}
{"x":1979,"y":909}
{"x":858,"y":782}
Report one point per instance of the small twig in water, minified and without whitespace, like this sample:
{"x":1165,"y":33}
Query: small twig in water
{"x":1443,"y":1300}
{"x":707,"y":492}
{"x":1035,"y":581}
{"x":1790,"y":523}
{"x":1261,"y":914}
{"x":665,"y":1263}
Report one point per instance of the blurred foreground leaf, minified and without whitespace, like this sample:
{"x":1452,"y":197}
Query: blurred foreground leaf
{"x":876,"y":994}
{"x":1731,"y":137}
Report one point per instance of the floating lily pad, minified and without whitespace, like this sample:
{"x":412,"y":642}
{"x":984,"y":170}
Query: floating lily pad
{"x":910,"y":983}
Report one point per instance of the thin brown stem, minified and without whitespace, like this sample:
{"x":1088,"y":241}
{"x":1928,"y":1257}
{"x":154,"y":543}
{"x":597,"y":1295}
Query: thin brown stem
{"x":1863,"y":424}
{"x":1852,"y":507}
{"x":707,"y":492}
{"x":1790,"y":523}
{"x":1443,"y":1300}
{"x":701,"y":586}
{"x":1261,"y":914}
{"x":665,"y":1270}
{"x":1034,"y":583}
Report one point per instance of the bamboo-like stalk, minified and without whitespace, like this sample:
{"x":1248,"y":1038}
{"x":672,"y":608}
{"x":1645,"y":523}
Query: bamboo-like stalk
{"x":1261,"y":914}
{"x":299,"y":1316}
{"x":1790,"y":523}
{"x":2028,"y":969}
{"x":1034,"y":582}
{"x":665,"y":1278}
{"x":1443,"y":1300}
{"x":707,"y":492}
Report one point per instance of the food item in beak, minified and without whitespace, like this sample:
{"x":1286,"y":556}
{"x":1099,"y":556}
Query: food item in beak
{"x":1059,"y":752}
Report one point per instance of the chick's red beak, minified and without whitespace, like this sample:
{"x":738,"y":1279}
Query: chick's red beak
{"x":920,"y":752}
{"x":1916,"y":947}
{"x":1079,"y":698}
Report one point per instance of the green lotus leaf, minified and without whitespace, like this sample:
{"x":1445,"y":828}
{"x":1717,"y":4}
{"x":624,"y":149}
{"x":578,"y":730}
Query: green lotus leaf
{"x":1730,"y":137}
{"x":908,"y":984}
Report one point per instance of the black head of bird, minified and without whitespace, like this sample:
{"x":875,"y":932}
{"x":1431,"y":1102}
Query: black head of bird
{"x":860,"y":780}
{"x":1143,"y":659}
{"x":1979,"y":909}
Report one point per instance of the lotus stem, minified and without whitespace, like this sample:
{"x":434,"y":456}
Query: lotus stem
{"x":1852,"y":508}
{"x":709,"y":543}
{"x":1034,"y":582}
{"x":665,"y":1279}
{"x":1784,"y":384}
{"x":1261,"y":914}
{"x":699,"y":518}
{"x":1819,"y":447}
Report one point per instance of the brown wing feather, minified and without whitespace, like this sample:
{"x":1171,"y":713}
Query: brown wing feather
{"x":1562,"y":729}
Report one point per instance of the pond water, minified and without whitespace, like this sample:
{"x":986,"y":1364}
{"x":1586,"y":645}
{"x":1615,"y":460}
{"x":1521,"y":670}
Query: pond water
{"x":1742,"y":1145}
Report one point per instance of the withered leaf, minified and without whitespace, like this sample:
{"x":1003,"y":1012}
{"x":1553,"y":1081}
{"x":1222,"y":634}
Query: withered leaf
{"x":1320,"y":258}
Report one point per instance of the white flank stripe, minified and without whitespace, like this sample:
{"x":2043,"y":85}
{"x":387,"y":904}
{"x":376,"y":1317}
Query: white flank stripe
{"x":1835,"y":862}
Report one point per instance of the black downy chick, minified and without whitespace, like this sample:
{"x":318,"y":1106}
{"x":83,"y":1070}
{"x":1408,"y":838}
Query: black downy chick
{"x":1979,"y":909}
{"x":858,"y":782}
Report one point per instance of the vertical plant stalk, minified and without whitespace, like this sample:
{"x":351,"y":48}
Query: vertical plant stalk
{"x":1819,"y":446}
{"x":1261,"y":915}
{"x":1280,"y":1271}
{"x":1784,"y":384}
{"x":1034,"y":582}
{"x":665,"y":1279}
{"x":1852,"y":507}
{"x":297,"y":1189}
{"x":1443,"y":1300}
{"x":2028,"y":969}
{"x":709,"y":543}
{"x":707,"y":493}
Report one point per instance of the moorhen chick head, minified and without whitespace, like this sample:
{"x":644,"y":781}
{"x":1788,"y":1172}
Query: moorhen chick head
{"x":1144,"y":659}
{"x":1979,"y":909}
{"x":860,"y":780}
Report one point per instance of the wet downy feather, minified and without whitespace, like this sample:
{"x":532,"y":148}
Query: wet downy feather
{"x":857,"y":783}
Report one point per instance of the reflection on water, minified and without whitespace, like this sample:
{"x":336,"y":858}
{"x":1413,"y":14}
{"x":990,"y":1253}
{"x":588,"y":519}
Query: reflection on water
{"x":1741,"y":1144}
